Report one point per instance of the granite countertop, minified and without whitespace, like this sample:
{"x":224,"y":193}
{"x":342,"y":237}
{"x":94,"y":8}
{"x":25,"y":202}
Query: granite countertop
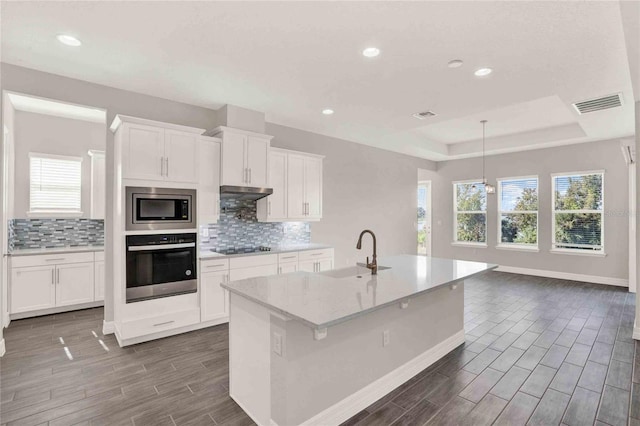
{"x":207,"y":254}
{"x":52,"y":250}
{"x":323,"y":299}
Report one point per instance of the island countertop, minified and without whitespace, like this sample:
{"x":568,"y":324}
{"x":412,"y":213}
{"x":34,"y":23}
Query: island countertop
{"x":327,"y":298}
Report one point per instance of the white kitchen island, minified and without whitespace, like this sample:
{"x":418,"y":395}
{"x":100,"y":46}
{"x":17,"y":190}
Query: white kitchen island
{"x":316,"y":348}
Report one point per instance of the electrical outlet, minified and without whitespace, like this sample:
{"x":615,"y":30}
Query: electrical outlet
{"x":204,"y":232}
{"x":385,"y":338}
{"x":277,"y":343}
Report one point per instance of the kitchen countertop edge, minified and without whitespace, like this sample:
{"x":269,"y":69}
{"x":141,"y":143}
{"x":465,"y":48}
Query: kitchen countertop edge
{"x":54,"y":250}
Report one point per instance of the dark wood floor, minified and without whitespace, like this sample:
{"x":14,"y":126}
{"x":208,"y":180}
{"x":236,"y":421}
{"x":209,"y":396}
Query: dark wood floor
{"x":538,"y":350}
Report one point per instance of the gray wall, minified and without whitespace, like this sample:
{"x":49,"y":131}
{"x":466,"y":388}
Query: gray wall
{"x":363,"y":188}
{"x":605,"y":155}
{"x":114,"y":101}
{"x":47,"y":134}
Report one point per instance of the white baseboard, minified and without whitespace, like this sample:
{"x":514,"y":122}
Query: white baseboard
{"x":620,"y":282}
{"x":56,"y":310}
{"x":2,"y":347}
{"x":366,"y":396}
{"x":160,"y":335}
{"x":108,"y":327}
{"x":636,"y":331}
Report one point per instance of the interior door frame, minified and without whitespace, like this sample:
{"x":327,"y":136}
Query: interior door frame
{"x":429,"y":214}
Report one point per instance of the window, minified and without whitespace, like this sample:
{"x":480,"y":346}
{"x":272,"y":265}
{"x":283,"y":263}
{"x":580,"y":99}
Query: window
{"x":470,"y":212}
{"x":56,"y":184}
{"x":424,"y":220}
{"x":518,"y":211}
{"x":578,"y":211}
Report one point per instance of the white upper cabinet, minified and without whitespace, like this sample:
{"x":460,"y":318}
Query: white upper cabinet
{"x":209,"y":183}
{"x":304,"y":189}
{"x":153,"y":150}
{"x":245,"y":157}
{"x":296,"y":179}
{"x":274,"y":207}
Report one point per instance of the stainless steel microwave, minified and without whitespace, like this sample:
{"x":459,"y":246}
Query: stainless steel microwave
{"x":160,"y":208}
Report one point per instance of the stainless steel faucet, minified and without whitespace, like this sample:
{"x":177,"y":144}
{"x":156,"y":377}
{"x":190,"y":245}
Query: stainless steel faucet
{"x":373,"y":265}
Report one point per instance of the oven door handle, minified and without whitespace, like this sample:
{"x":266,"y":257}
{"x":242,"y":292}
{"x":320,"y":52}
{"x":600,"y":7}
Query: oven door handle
{"x":160,"y":247}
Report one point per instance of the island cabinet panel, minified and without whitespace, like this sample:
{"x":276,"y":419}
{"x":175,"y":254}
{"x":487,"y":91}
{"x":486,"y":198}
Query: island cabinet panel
{"x":214,"y":300}
{"x":32,"y":288}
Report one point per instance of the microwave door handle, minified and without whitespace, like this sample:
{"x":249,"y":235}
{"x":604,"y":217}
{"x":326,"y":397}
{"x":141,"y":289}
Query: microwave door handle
{"x":160,"y":247}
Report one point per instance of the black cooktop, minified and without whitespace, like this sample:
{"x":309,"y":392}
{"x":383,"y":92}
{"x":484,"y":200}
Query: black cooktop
{"x":242,"y":250}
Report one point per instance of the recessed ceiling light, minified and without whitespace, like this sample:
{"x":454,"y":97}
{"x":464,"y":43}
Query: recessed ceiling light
{"x":481,"y":72}
{"x":371,"y":52}
{"x":456,"y":63}
{"x":327,"y":111}
{"x":69,"y":40}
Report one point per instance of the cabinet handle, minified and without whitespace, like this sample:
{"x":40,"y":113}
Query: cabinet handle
{"x":215,"y":266}
{"x":288,"y":257}
{"x":53,"y":278}
{"x":279,"y":270}
{"x":269,"y":208}
{"x":163,"y":323}
{"x":167,"y":160}
{"x":58,"y":259}
{"x":226,"y":277}
{"x":57,"y":276}
{"x":161,"y":166}
{"x":245,"y":178}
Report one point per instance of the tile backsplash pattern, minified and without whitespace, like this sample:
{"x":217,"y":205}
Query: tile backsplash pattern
{"x":238,"y":227}
{"x":49,"y":233}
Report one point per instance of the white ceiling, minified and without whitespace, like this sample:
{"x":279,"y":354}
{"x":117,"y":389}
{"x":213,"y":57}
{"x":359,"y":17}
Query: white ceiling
{"x":293,"y":59}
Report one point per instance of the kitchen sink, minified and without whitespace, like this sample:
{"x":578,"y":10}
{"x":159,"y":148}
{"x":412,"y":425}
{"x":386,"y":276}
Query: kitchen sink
{"x":360,"y":271}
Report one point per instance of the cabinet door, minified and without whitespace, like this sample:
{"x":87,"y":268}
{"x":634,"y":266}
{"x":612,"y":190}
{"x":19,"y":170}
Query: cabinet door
{"x":233,"y":165}
{"x":257,"y":160}
{"x":287,"y":268}
{"x":325,"y":265}
{"x":99,"y":279}
{"x":313,"y":187}
{"x":307,"y":266}
{"x":32,"y":288}
{"x":295,"y":187}
{"x":209,"y":193}
{"x":74,"y":283}
{"x":143,"y":152}
{"x":181,"y":151}
{"x":214,"y":300}
{"x":277,"y":202}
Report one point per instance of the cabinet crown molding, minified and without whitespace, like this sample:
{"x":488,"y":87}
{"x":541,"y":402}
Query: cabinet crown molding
{"x":292,"y":152}
{"x":222,"y":129}
{"x":120,"y":119}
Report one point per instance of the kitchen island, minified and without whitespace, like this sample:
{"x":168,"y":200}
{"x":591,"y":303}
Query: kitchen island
{"x":316,"y":348}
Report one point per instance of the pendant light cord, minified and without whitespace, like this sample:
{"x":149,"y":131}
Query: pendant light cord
{"x":484,"y":180}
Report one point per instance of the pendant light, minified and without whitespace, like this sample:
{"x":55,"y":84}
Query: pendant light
{"x":489,"y":189}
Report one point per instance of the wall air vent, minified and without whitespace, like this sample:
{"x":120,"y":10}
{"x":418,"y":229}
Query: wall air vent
{"x":597,"y":104}
{"x":423,"y":115}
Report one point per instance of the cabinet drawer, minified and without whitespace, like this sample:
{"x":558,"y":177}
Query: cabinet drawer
{"x":99,"y":256}
{"x":156,"y":324}
{"x":213,"y":265}
{"x":288,"y":257}
{"x":250,"y":261}
{"x":315,"y":254}
{"x":51,"y":259}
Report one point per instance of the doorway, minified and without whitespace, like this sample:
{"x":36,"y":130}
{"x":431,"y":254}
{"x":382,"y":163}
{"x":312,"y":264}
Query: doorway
{"x":424,"y":218}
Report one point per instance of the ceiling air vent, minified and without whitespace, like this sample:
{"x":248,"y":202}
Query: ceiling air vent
{"x":423,"y":115}
{"x":597,"y":104}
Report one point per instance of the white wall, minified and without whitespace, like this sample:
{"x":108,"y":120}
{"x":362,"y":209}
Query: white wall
{"x":363,"y":188}
{"x":605,"y":155}
{"x":47,"y":134}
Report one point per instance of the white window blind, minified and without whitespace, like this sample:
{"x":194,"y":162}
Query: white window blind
{"x":518,"y":211}
{"x":56,"y":183}
{"x":470,"y":212}
{"x":578,"y":201}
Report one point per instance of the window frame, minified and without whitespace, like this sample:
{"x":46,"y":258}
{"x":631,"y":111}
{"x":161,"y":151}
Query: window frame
{"x":500,"y":212}
{"x":52,"y":212}
{"x":455,"y":241}
{"x":577,"y":251}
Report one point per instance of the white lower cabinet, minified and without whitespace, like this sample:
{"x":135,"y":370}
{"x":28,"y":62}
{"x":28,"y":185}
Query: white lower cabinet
{"x":316,"y":260}
{"x":99,"y":279}
{"x":32,"y":288}
{"x":74,"y":284}
{"x":287,"y":268}
{"x":214,"y":300}
{"x":55,"y":280}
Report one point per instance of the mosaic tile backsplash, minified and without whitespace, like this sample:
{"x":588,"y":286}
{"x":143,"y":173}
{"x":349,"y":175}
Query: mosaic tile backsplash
{"x":238,"y":227}
{"x":49,"y":233}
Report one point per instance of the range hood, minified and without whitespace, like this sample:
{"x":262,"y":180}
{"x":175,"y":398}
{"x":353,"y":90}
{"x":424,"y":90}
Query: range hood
{"x":244,"y":192}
